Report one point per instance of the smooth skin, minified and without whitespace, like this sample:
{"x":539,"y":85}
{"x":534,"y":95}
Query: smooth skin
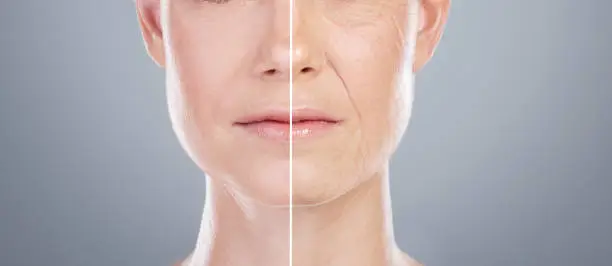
{"x":355,"y":59}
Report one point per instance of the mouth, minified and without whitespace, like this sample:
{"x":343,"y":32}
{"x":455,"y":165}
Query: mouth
{"x":284,"y":126}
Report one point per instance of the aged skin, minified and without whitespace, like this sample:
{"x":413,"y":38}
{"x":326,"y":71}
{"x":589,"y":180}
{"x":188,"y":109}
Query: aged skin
{"x":351,"y":64}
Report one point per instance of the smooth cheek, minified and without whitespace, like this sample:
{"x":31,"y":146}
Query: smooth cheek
{"x":211,"y":59}
{"x":198,"y":91}
{"x":201,"y":107}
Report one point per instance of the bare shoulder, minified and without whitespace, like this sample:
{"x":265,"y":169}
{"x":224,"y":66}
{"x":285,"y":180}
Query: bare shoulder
{"x":407,"y":260}
{"x":180,"y":263}
{"x":184,"y":262}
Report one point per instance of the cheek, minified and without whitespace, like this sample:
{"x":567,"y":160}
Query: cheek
{"x":202,"y":65}
{"x":211,"y":57}
{"x":371,"y":69}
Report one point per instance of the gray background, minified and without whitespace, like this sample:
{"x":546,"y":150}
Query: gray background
{"x":507,"y":160}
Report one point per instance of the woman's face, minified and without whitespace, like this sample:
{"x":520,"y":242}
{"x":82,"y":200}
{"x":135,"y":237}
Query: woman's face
{"x":229,"y":61}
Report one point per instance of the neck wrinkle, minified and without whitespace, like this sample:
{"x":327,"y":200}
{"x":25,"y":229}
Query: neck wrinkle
{"x":236,"y":232}
{"x":355,"y":229}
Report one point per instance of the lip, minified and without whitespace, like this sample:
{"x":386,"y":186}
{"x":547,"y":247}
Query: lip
{"x":276,"y":124}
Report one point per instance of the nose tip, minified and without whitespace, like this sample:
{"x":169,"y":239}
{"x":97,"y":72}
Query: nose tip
{"x":305,"y":62}
{"x":290,"y":57}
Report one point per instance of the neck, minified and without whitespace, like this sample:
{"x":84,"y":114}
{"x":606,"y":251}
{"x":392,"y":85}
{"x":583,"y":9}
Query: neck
{"x":354,"y":229}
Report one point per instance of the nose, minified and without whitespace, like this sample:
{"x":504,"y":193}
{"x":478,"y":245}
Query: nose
{"x":307,"y":58}
{"x":292,"y":52}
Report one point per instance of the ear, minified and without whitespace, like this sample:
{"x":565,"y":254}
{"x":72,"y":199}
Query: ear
{"x":433,"y":15}
{"x":148,"y":12}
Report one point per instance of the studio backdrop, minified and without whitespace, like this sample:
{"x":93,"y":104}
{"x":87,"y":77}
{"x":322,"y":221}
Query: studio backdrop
{"x":507,"y":160}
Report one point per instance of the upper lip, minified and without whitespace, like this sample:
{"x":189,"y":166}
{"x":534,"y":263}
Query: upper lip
{"x":297,"y":115}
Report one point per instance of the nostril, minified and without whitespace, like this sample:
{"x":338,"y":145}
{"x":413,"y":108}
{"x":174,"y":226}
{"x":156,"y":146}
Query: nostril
{"x":307,"y":70}
{"x":274,"y":71}
{"x":270,"y":72}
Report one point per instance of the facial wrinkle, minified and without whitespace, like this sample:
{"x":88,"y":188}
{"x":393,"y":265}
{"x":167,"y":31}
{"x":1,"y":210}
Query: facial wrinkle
{"x":359,"y":118}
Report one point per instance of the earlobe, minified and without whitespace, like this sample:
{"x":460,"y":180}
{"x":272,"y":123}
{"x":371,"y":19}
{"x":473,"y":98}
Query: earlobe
{"x":432,"y":20}
{"x":148,"y":19}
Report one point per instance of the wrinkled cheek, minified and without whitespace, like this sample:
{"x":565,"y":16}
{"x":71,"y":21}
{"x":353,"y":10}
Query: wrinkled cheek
{"x":376,"y":135}
{"x":379,"y":136}
{"x":382,"y":117}
{"x":382,"y":134}
{"x":377,"y":105}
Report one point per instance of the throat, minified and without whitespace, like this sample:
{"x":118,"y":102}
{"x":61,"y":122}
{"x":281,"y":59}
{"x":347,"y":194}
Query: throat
{"x":354,"y":229}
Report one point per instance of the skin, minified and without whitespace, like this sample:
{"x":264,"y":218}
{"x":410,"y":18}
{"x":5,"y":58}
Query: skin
{"x":227,"y":60}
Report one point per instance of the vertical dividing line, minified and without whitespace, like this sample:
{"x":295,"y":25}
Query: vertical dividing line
{"x":291,"y":132}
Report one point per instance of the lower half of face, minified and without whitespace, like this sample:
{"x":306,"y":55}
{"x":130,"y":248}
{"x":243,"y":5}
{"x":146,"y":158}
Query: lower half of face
{"x":316,"y":169}
{"x":367,"y":85}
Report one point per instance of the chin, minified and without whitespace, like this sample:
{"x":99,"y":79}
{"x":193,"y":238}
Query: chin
{"x":267,"y":183}
{"x":243,"y":170}
{"x":318,"y":181}
{"x":319,"y":184}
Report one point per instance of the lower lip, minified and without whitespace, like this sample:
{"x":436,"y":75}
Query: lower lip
{"x":279,"y":131}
